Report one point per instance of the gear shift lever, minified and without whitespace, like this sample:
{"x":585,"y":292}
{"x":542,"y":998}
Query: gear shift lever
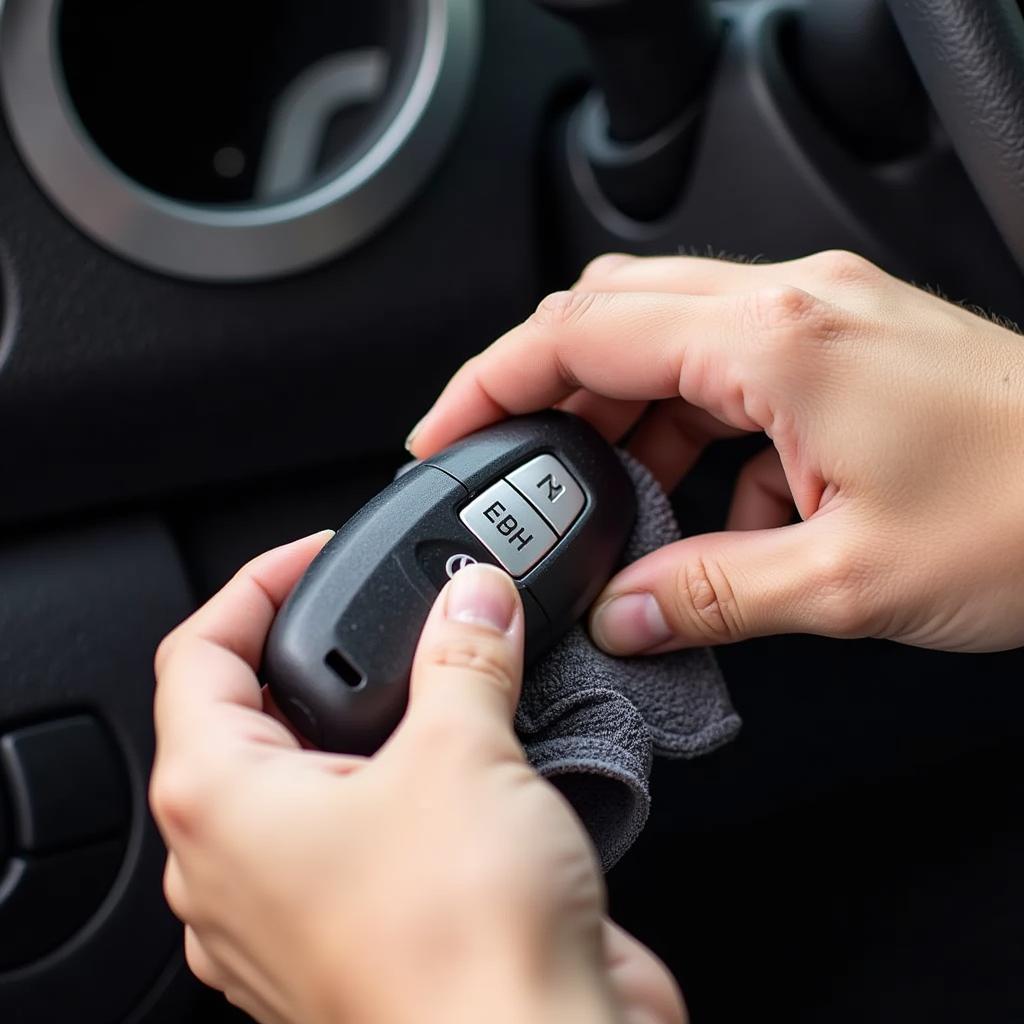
{"x":650,"y":57}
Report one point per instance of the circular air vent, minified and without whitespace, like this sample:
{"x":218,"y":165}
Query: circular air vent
{"x":236,"y":140}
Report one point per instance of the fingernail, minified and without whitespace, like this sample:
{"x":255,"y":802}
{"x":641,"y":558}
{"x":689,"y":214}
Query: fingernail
{"x":412,"y":435}
{"x":629,"y":624}
{"x":483,"y":596}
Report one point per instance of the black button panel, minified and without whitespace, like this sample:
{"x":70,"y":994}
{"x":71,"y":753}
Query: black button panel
{"x":5,"y":832}
{"x":45,"y":900}
{"x":69,"y":810}
{"x":66,"y":785}
{"x":521,"y":518}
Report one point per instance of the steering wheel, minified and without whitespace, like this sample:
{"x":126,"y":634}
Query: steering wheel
{"x":970,"y":56}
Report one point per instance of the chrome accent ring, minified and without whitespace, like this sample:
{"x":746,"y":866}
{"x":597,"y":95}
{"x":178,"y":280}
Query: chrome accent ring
{"x":211,"y":243}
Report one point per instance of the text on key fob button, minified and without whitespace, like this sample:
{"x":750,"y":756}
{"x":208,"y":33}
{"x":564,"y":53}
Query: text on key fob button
{"x":551,"y":488}
{"x":509,"y":527}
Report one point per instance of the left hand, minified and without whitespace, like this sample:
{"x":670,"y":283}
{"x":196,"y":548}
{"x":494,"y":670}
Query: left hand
{"x":440,"y":880}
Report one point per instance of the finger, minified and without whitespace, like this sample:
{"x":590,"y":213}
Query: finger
{"x":205,"y":668}
{"x":642,"y":984}
{"x":671,"y":438}
{"x":610,"y":417}
{"x":247,"y":999}
{"x":837,"y":276}
{"x":175,"y":890}
{"x":467,"y":672}
{"x":221,"y":962}
{"x":690,"y":275}
{"x":324,"y":761}
{"x":724,"y":587}
{"x":200,"y":963}
{"x":627,"y":347}
{"x":238,"y":617}
{"x":317,"y":760}
{"x":762,"y":498}
{"x":271,"y":709}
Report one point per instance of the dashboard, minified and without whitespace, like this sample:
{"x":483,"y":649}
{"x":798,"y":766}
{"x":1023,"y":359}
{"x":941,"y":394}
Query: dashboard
{"x":242,"y":246}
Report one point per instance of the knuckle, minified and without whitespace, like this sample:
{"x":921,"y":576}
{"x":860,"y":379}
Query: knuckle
{"x":705,"y":602}
{"x":790,"y":322}
{"x":200,"y":963}
{"x":445,"y":739}
{"x":164,"y":652}
{"x":561,"y":310}
{"x":177,"y":799}
{"x":202,"y":968}
{"x":837,"y":587}
{"x":840,"y":266}
{"x":781,"y":308}
{"x":490,"y":873}
{"x":174,"y":893}
{"x":470,"y":366}
{"x":485,"y":658}
{"x":239,"y":996}
{"x":601,"y":267}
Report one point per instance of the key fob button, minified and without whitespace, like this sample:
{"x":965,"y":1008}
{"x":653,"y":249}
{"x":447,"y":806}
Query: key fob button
{"x":509,"y":527}
{"x":551,"y":488}
{"x":440,"y":559}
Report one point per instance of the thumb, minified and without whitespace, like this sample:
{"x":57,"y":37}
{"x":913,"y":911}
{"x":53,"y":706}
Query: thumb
{"x":467,"y":673}
{"x":723,"y":587}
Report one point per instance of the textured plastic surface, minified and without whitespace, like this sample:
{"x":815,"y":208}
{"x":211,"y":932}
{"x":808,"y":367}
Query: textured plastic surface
{"x":66,"y":781}
{"x":120,"y":383}
{"x":650,"y":57}
{"x":46,"y":900}
{"x":769,"y":177}
{"x":81,"y":614}
{"x":652,"y":60}
{"x":4,"y":830}
{"x":970,"y":54}
{"x":856,"y":72}
{"x":338,"y":657}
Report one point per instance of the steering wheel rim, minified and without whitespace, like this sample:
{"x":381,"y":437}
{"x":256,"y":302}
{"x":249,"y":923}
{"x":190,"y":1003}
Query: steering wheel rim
{"x":970,"y":56}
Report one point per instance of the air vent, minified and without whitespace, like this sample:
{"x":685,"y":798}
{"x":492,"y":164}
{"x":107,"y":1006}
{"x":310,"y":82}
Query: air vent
{"x":234,"y":140}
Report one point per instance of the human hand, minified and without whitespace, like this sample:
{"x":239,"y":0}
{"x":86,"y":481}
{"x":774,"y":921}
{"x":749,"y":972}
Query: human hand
{"x":440,"y":880}
{"x":897,"y":422}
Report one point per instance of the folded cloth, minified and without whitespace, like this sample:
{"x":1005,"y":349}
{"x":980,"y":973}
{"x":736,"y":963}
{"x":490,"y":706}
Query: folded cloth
{"x":592,"y":723}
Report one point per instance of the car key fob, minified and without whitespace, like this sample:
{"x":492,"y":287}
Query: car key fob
{"x":543,"y":497}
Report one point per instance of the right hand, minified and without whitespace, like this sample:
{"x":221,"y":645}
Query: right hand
{"x":440,"y":880}
{"x":897,"y":422}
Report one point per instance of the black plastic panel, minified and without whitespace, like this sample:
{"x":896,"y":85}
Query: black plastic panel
{"x":771,"y":179}
{"x":81,"y":614}
{"x":45,"y":900}
{"x":118,"y":382}
{"x":5,"y":831}
{"x":66,"y":782}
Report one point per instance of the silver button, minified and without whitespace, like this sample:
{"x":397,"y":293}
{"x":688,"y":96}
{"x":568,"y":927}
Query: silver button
{"x":509,"y":527}
{"x":552,"y":489}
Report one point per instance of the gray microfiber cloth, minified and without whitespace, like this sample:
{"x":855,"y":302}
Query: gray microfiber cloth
{"x":592,"y":723}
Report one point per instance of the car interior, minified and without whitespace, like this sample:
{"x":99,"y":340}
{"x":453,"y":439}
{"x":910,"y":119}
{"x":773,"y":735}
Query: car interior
{"x":242,"y":247}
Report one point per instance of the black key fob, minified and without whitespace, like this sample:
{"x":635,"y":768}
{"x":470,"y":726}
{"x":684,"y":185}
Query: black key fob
{"x":544,"y":497}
